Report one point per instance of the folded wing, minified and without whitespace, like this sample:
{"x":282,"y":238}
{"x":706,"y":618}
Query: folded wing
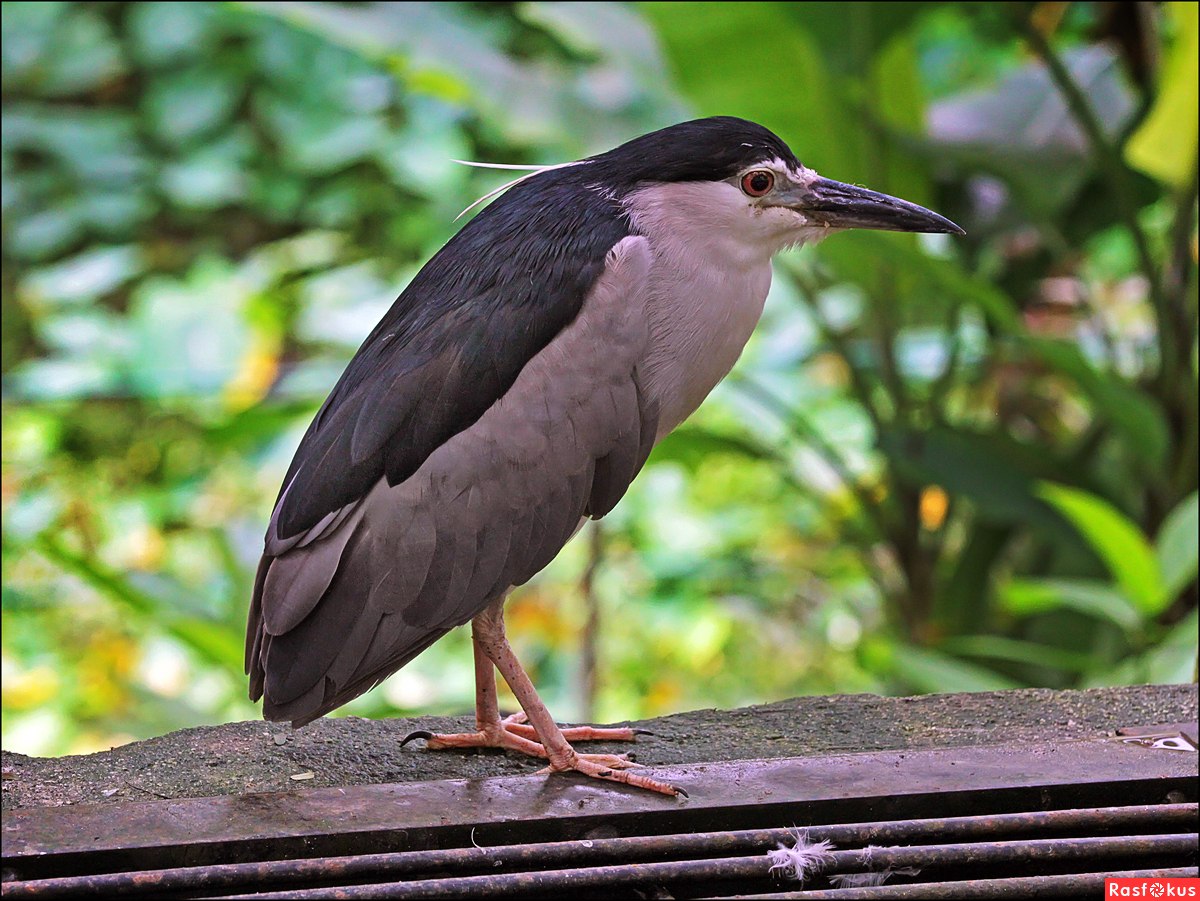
{"x":367,"y":585}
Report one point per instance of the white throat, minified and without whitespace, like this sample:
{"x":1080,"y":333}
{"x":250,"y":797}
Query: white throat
{"x":712,"y":270}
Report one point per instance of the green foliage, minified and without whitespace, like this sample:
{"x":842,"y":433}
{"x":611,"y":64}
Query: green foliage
{"x":1146,"y":579}
{"x":1165,"y":143}
{"x":942,"y":464}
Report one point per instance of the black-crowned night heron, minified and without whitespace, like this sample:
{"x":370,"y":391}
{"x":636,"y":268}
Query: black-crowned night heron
{"x":513,"y":390}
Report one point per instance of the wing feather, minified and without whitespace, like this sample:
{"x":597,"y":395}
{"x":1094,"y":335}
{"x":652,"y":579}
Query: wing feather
{"x":453,"y":342}
{"x":297,"y":581}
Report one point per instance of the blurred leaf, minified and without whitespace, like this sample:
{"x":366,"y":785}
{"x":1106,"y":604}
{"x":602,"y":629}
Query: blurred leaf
{"x":927,"y":670}
{"x":600,"y":30}
{"x":212,"y":176}
{"x":422,"y":156}
{"x":78,"y":53}
{"x":96,"y":146}
{"x":93,"y":334}
{"x":932,"y":286}
{"x":189,"y":336}
{"x":56,"y":378}
{"x":756,"y":61}
{"x":1026,"y":597}
{"x":1022,"y":130}
{"x":997,"y":647}
{"x":28,"y":31}
{"x":868,"y":26}
{"x":1176,"y":546}
{"x":84,"y":277}
{"x":1134,"y":412}
{"x":440,"y":50}
{"x":206,"y":639}
{"x":1117,"y":542}
{"x":248,"y":429}
{"x":39,"y":235}
{"x":168,"y":31}
{"x":996,"y":473}
{"x":898,"y":99}
{"x":1164,"y":146}
{"x":690,"y":445}
{"x":189,"y":103}
{"x":321,"y":141}
{"x":1172,"y":661}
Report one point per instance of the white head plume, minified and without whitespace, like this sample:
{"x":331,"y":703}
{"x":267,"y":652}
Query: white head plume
{"x":529,"y":171}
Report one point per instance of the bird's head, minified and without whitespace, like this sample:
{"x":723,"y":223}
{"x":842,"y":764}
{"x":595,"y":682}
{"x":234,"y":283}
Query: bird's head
{"x":727,"y":176}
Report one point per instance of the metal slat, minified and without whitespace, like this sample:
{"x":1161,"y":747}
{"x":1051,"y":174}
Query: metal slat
{"x":1072,"y":885}
{"x":361,"y":868}
{"x":756,"y":868}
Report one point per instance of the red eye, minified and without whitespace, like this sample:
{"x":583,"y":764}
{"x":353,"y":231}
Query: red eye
{"x":758,"y":182}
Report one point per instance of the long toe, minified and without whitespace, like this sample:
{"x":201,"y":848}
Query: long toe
{"x":517,"y":723}
{"x":498,"y":737}
{"x":614,"y":768}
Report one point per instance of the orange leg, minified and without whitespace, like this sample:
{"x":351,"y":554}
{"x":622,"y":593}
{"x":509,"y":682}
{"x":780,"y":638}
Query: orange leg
{"x":534,"y":732}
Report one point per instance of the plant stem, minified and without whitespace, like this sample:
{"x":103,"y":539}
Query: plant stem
{"x":589,"y":653}
{"x":1107,"y":157}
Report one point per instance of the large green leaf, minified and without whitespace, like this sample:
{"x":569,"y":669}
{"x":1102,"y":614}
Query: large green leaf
{"x":1116,"y":540}
{"x":756,"y":61}
{"x":1175,"y":658}
{"x":1176,"y":546}
{"x":1172,"y":661}
{"x":1164,"y":145}
{"x":1026,"y":597}
{"x":814,"y":73}
{"x":850,"y":35}
{"x":927,"y":670}
{"x":997,"y":647}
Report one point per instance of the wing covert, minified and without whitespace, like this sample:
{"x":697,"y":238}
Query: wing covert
{"x":450,"y":346}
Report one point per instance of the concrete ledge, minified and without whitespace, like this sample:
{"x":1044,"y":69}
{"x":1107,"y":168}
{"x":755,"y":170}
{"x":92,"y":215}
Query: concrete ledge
{"x":257,"y":756}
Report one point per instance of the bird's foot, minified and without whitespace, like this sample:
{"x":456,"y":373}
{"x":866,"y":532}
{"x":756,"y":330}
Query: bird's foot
{"x":613,"y":767}
{"x":514,"y":734}
{"x":517,"y":723}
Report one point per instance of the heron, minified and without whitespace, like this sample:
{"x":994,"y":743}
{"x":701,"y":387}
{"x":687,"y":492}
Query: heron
{"x":513,"y":391}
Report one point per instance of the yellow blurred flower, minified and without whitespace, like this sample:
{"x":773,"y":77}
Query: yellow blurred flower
{"x":25,"y":690}
{"x":934,"y":504}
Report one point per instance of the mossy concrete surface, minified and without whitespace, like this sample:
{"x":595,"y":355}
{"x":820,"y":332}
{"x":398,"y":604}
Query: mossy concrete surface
{"x":259,"y":756}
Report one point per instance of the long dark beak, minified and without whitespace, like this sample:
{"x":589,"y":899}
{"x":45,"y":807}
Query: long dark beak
{"x":839,"y":205}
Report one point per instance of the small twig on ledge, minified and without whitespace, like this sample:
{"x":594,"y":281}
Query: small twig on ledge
{"x":148,"y":791}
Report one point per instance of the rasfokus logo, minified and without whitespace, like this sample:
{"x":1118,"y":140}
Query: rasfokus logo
{"x":1151,"y":887}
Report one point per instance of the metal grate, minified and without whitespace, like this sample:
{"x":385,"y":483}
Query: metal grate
{"x":1045,"y":820}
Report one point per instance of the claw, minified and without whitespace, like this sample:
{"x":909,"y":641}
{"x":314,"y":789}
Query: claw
{"x":413,"y":736}
{"x":643,"y":732}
